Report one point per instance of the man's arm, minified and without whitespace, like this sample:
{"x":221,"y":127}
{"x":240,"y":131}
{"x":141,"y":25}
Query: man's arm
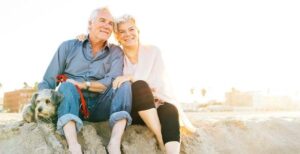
{"x":116,"y":69}
{"x":94,"y":86}
{"x":55,"y":67}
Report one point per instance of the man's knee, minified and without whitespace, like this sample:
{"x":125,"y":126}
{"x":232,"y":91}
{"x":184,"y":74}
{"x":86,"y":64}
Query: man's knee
{"x":125,"y":85}
{"x":66,"y":87}
{"x":122,"y":99}
{"x":116,"y":116}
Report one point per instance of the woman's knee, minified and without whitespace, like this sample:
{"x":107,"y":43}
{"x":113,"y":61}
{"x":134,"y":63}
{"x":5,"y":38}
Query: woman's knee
{"x":141,"y":91}
{"x":139,"y":84}
{"x":142,"y":97}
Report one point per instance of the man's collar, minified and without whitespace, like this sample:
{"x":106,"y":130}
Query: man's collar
{"x":106,"y":46}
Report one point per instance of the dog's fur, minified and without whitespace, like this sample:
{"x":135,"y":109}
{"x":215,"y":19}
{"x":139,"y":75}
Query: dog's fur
{"x":43,"y":110}
{"x":43,"y":106}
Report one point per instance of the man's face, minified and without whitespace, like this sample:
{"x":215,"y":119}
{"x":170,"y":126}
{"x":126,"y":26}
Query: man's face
{"x":102,"y":26}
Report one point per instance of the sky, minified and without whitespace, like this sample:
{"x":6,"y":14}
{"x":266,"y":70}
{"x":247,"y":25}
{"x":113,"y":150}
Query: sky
{"x":216,"y":44}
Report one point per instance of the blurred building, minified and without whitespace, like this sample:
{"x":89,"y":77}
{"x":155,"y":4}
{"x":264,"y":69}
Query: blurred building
{"x":238,"y":98}
{"x":15,"y":100}
{"x":274,"y":102}
{"x":1,"y":104}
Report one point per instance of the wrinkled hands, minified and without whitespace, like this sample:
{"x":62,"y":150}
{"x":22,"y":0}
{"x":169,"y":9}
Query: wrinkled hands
{"x":120,"y":79}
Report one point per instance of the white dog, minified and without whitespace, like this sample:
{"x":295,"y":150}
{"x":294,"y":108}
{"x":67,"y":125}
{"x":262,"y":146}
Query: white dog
{"x":43,"y":110}
{"x":43,"y":106}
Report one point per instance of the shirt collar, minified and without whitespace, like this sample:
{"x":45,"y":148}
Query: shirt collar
{"x":87,"y":42}
{"x":87,"y":48}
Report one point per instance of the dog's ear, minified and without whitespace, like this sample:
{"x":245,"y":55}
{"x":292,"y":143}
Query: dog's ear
{"x":28,"y":113}
{"x":33,"y":98}
{"x":56,"y":96}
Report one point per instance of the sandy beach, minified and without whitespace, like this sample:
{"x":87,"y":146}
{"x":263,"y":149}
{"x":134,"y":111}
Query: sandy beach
{"x":217,"y":133}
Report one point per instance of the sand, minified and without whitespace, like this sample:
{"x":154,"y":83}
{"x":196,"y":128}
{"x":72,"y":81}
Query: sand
{"x":217,"y":133}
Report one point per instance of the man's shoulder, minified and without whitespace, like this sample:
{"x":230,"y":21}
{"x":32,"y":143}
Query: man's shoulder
{"x":71,"y":43}
{"x":70,"y":46}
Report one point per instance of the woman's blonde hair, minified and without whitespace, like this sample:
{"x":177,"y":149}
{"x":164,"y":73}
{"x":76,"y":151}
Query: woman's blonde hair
{"x":123,"y":19}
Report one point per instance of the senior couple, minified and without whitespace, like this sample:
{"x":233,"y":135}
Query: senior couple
{"x":124,"y":85}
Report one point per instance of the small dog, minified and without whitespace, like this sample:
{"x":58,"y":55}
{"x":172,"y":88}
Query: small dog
{"x":43,"y":106}
{"x":43,"y":110}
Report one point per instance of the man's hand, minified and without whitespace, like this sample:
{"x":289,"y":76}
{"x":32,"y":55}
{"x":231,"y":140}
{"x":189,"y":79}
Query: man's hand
{"x":120,"y":79}
{"x":79,"y":84}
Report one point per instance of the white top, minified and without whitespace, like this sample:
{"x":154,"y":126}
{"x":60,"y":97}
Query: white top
{"x":151,"y":68}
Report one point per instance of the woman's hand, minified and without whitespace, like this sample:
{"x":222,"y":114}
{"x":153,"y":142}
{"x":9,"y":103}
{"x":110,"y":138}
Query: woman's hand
{"x":120,"y":79}
{"x":81,"y":37}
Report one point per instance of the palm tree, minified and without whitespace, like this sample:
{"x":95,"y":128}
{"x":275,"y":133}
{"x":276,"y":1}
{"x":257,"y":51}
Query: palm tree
{"x":25,"y":85}
{"x":203,"y":92}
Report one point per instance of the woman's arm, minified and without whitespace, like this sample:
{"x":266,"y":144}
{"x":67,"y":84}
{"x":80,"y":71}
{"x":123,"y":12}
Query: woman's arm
{"x":120,"y":79}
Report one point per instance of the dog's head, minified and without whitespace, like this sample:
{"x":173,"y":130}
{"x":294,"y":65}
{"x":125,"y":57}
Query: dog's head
{"x":45,"y":103}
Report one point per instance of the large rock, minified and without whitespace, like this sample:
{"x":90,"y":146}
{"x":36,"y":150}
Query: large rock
{"x":227,"y":136}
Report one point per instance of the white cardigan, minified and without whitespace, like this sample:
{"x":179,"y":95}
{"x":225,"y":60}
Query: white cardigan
{"x":151,"y":68}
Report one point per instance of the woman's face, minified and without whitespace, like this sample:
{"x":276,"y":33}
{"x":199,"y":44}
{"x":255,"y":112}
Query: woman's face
{"x":128,"y":34}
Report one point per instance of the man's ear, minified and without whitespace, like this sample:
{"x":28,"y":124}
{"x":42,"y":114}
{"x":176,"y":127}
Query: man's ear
{"x":89,"y":25}
{"x":56,"y":96}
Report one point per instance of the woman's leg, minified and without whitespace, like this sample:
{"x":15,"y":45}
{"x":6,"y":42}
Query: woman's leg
{"x":151,"y":120}
{"x":143,"y":104}
{"x":169,"y":119}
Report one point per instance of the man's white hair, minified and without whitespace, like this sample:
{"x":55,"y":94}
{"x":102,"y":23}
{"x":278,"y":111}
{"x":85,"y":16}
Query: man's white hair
{"x":123,"y":19}
{"x":95,"y":13}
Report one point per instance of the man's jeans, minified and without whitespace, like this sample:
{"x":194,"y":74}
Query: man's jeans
{"x":112,"y":105}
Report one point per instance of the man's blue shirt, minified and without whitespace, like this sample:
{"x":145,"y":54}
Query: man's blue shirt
{"x":74,"y":59}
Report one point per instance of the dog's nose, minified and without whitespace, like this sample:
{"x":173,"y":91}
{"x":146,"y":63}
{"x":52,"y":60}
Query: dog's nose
{"x":40,"y":109}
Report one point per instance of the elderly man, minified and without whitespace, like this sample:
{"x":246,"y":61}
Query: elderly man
{"x":88,"y":69}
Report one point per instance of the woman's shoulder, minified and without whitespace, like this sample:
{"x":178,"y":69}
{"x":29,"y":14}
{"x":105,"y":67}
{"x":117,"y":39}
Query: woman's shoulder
{"x":150,"y":49}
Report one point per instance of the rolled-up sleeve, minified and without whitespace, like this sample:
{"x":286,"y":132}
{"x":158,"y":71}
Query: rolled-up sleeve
{"x":55,"y":67}
{"x":116,"y":68}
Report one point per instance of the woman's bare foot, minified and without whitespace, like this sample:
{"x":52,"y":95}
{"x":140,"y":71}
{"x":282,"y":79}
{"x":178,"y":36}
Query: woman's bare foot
{"x":161,"y":147}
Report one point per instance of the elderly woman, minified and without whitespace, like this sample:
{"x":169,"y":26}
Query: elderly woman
{"x":153,"y":103}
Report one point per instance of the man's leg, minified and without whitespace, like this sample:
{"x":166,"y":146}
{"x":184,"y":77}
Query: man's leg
{"x":68,"y":121}
{"x":120,"y":117}
{"x":71,"y":136}
{"x":116,"y":137}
